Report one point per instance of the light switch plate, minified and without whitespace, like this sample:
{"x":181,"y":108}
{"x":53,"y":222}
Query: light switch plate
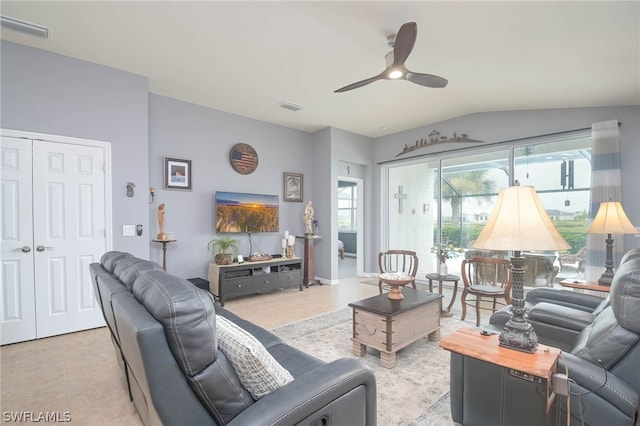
{"x":129,"y":230}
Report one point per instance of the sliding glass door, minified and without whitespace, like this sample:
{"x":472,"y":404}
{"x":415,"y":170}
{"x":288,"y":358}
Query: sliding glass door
{"x":412,"y":210}
{"x":470,"y":186}
{"x":449,"y":198}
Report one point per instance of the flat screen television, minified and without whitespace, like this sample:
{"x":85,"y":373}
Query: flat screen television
{"x":238,"y":212}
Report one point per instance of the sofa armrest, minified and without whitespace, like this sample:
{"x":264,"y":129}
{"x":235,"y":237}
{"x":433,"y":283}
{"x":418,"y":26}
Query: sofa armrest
{"x":571,"y":299}
{"x":597,"y":394}
{"x":342,"y":392}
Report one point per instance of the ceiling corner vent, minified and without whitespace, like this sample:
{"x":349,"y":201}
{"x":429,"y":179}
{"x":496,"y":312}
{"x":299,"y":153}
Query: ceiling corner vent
{"x":290,"y":106}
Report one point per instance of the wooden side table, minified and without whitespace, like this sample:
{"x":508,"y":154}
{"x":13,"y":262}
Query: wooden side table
{"x":441,"y":279}
{"x":164,"y":251}
{"x":585,"y":285}
{"x":499,"y":386}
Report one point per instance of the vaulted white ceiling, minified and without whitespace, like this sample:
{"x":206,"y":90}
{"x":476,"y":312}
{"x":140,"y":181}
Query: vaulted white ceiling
{"x":246,"y":57}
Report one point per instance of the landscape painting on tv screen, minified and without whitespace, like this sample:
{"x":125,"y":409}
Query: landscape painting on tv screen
{"x":239,"y":212}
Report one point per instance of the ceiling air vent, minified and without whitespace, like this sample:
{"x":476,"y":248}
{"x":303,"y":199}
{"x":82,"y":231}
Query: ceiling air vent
{"x":25,"y":27}
{"x":288,"y":105}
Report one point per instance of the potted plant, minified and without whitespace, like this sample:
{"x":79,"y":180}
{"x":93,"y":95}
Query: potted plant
{"x":223,"y":249}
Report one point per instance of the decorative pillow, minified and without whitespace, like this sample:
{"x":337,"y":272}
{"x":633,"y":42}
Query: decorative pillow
{"x":258,"y":371}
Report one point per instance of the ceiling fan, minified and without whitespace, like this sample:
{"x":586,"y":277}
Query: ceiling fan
{"x":402,"y":46}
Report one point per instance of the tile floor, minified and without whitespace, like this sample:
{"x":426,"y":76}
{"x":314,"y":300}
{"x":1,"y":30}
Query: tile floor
{"x":77,"y":373}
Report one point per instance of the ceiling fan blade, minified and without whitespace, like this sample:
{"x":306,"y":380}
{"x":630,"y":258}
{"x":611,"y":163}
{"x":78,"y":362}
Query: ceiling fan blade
{"x":358,"y":84}
{"x":427,"y":80}
{"x":403,"y":45}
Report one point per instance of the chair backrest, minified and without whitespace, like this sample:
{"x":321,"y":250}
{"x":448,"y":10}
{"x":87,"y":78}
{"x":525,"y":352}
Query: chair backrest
{"x":539,"y":271}
{"x":398,"y":261}
{"x":479,"y":271}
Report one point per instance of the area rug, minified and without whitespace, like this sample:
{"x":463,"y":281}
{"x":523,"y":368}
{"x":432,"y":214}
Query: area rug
{"x":414,"y":392}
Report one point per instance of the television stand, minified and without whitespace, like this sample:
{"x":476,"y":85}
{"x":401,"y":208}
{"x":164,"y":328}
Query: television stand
{"x":241,"y":279}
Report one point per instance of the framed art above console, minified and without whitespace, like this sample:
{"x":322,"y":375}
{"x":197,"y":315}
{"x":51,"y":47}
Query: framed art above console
{"x":293,"y":186}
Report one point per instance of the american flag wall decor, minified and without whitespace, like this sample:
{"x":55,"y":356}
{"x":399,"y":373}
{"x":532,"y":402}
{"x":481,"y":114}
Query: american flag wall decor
{"x":243,"y":158}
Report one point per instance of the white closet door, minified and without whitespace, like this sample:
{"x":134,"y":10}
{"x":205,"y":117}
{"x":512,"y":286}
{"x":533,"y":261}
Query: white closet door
{"x":69,"y":234}
{"x":17,"y":307}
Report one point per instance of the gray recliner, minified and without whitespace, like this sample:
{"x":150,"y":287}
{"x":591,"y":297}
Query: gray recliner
{"x":600,"y":339}
{"x":604,"y":364}
{"x":559,"y":316}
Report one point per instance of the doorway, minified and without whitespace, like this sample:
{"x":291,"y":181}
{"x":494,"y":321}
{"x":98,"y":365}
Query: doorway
{"x":54,"y":223}
{"x":350,"y":226}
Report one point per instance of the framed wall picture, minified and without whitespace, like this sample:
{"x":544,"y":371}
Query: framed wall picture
{"x":293,"y":186}
{"x":177,"y":174}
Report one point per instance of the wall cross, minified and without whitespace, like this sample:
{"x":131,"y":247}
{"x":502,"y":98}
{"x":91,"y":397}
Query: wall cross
{"x":400,"y":196}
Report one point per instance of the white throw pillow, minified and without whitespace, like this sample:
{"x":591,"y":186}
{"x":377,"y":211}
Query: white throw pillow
{"x":257,"y":370}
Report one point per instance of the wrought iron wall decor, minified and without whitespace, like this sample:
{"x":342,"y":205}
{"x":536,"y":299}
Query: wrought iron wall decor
{"x":436,"y":138}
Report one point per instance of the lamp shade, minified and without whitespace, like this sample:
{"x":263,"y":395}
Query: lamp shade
{"x":611,"y":219}
{"x":519,"y":222}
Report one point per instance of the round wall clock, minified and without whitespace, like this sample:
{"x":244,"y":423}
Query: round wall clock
{"x":243,"y":158}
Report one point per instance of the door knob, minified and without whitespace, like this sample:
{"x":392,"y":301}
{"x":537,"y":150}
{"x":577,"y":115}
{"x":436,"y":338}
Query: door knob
{"x":25,"y":249}
{"x":43,"y":248}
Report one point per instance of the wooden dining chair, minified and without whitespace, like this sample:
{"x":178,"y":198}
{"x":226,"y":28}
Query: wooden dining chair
{"x":486,"y":277}
{"x":398,"y":261}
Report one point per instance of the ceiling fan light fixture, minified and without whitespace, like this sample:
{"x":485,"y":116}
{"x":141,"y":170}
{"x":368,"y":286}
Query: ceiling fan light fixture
{"x":395,"y":74}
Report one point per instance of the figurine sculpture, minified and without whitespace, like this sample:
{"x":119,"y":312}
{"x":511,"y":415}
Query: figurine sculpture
{"x":161,"y":234}
{"x":308,"y":219}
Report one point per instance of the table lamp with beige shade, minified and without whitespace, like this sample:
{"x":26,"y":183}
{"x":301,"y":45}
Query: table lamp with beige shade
{"x":610,"y":219}
{"x":519,"y":222}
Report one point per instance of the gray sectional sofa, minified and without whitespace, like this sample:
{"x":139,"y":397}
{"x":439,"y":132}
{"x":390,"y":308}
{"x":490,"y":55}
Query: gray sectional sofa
{"x":164,"y":333}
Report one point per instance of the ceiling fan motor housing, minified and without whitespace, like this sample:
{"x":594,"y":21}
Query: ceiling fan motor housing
{"x":388,"y":58}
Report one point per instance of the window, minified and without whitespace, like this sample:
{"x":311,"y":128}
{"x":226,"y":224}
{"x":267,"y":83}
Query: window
{"x":470,"y":186}
{"x":561,"y":174}
{"x":347,"y":205}
{"x":417,"y":215}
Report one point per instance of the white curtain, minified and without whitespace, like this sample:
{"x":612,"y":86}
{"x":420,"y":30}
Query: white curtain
{"x":605,"y":186}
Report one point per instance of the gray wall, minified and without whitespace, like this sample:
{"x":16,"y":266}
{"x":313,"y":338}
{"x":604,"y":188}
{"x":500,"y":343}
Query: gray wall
{"x":504,"y":126}
{"x":324,"y":205}
{"x":186,"y":131}
{"x":48,"y":93}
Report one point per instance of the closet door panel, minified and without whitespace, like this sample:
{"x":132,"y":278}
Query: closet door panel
{"x":17,"y":309}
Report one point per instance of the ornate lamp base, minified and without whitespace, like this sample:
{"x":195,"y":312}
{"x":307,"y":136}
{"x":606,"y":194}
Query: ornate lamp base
{"x":519,"y":336}
{"x":607,"y":275}
{"x":606,"y":278}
